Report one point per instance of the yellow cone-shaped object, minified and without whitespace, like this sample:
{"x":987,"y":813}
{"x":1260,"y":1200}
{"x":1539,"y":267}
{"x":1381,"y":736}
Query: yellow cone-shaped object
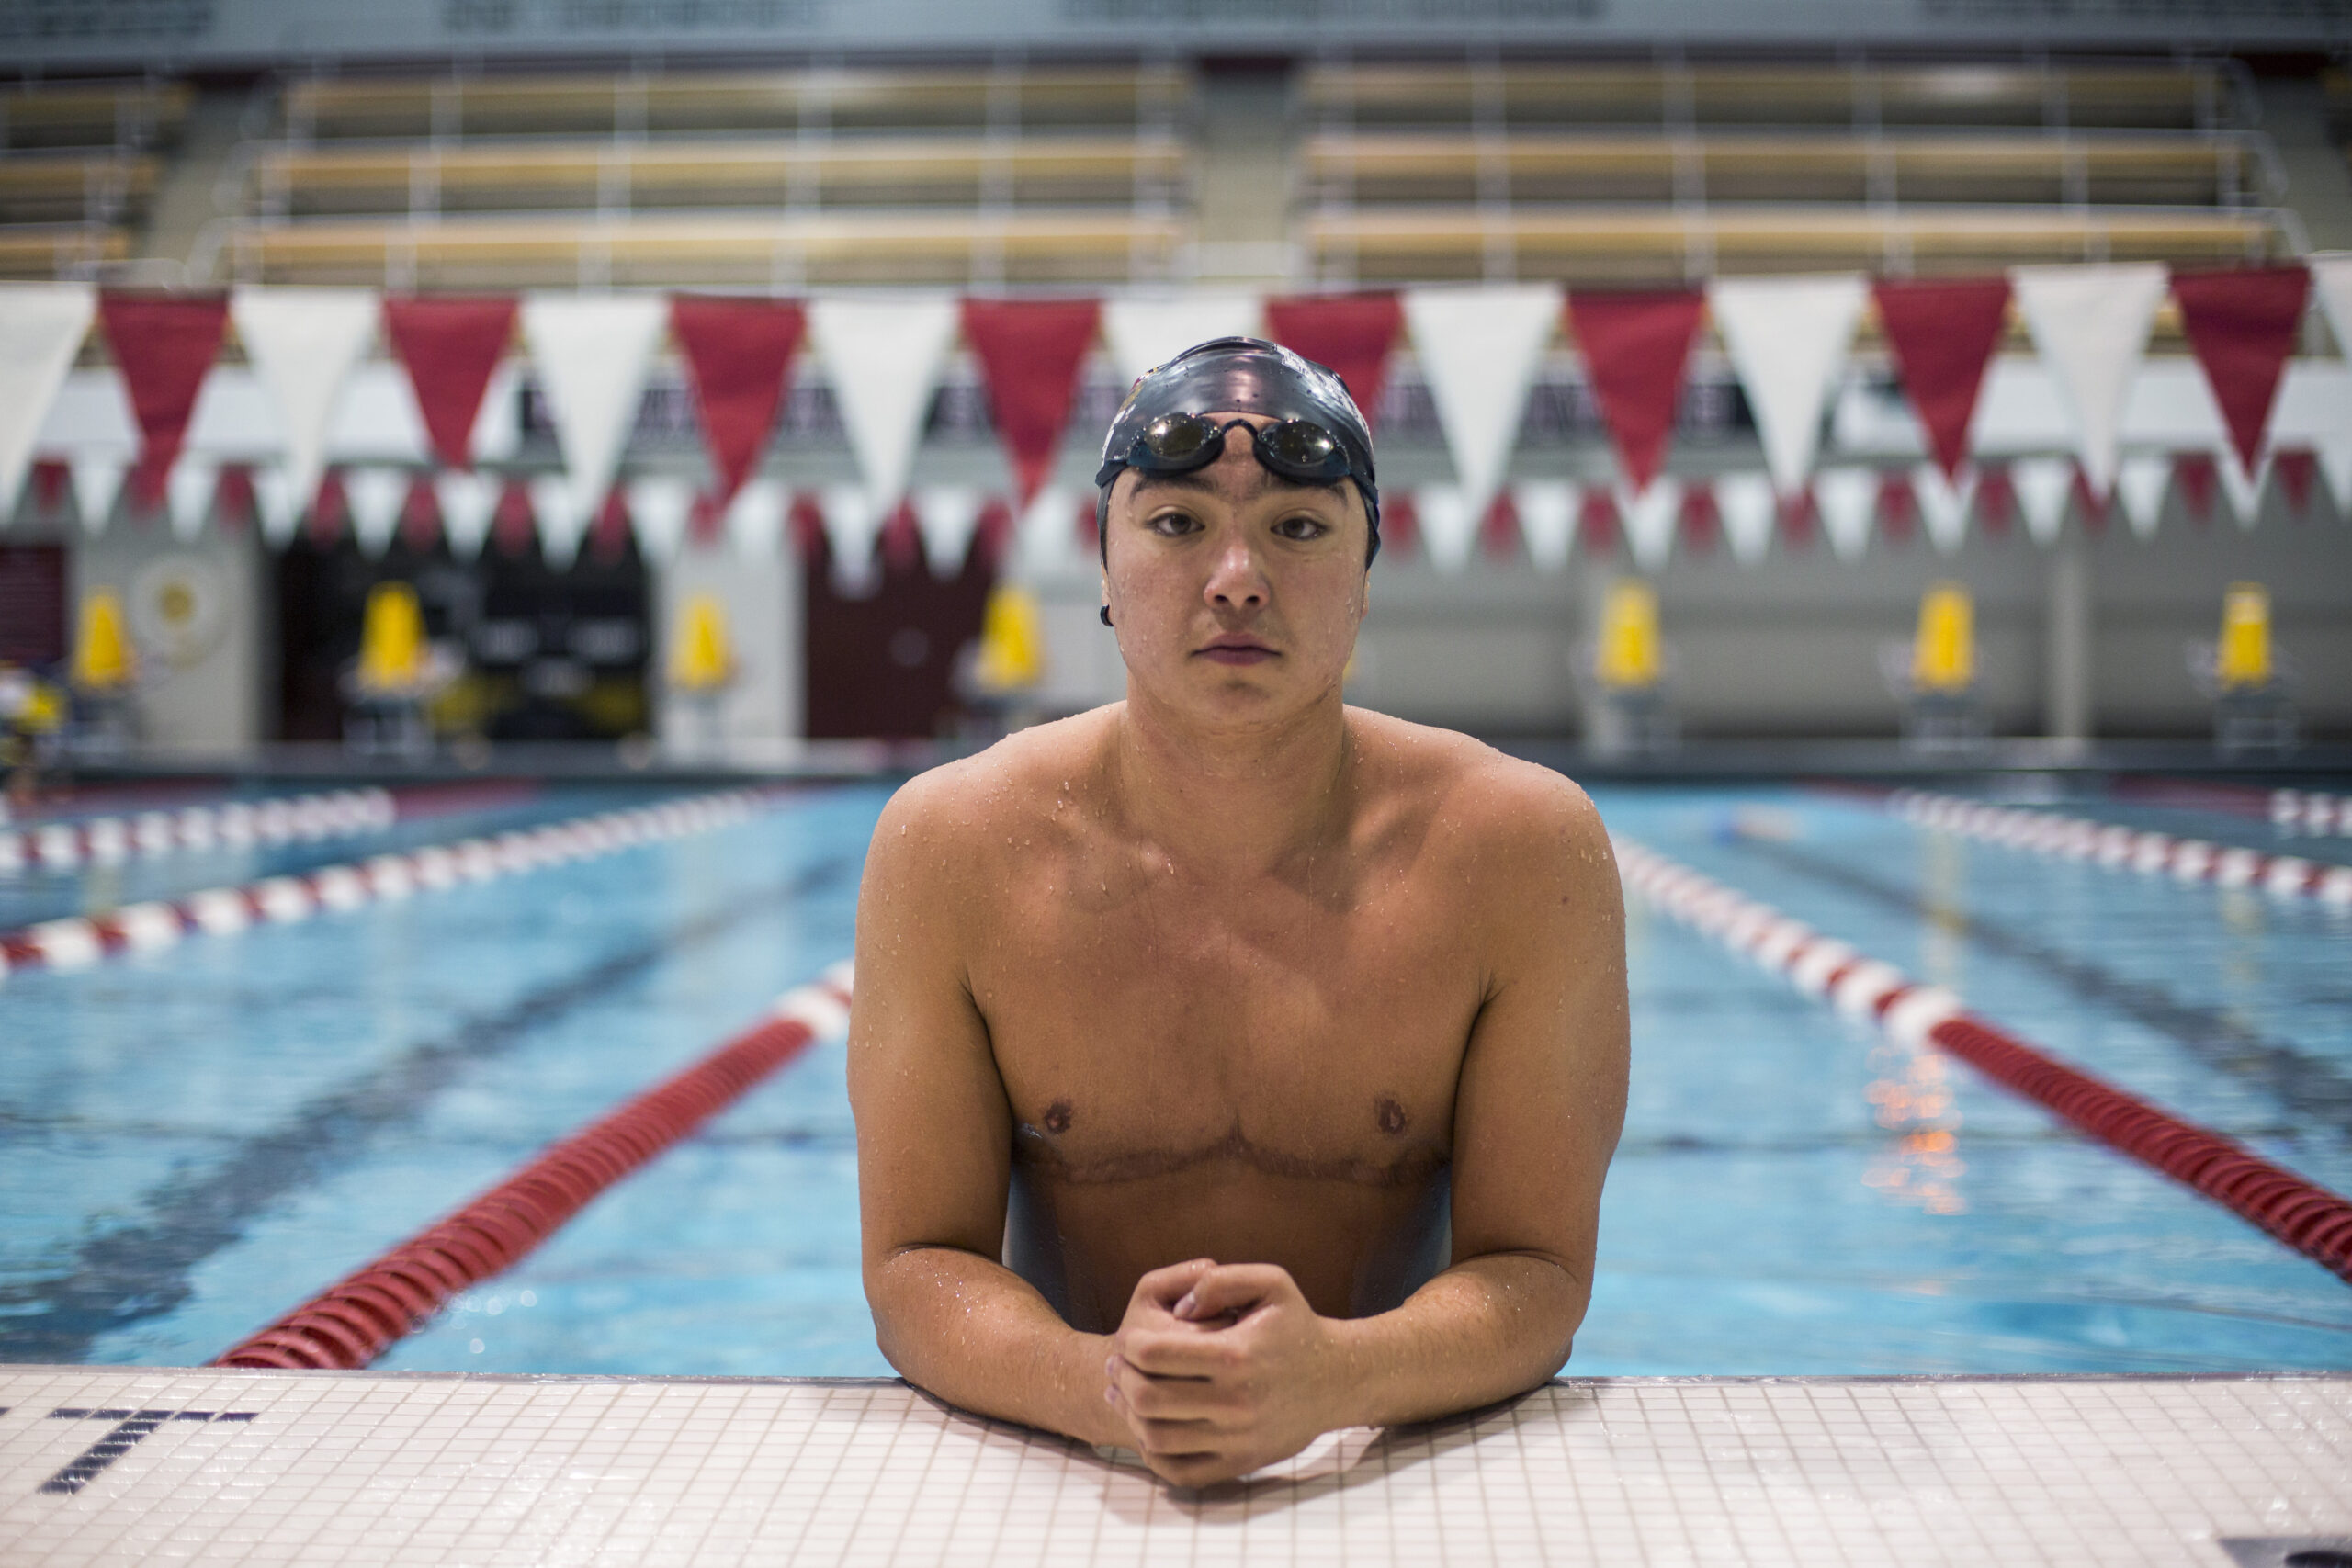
{"x":1944,"y":654}
{"x":1630,"y":656}
{"x":701,"y":660}
{"x":1012,"y":642}
{"x":2243,"y":659}
{"x":391,"y":640}
{"x":102,"y":661}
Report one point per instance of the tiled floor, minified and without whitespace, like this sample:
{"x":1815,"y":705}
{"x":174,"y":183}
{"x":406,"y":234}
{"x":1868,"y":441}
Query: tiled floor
{"x":115,"y":1465}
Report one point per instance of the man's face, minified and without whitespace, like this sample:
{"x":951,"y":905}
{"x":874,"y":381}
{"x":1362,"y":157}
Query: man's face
{"x":1236,"y":593}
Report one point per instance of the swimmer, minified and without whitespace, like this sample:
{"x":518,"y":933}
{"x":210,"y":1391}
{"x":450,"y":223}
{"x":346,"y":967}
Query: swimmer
{"x":1232,"y":1066}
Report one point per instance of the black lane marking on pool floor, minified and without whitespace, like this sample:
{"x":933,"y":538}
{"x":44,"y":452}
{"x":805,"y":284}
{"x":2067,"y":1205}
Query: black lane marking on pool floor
{"x":2309,"y":1087}
{"x":130,"y":1425}
{"x":142,"y":1272}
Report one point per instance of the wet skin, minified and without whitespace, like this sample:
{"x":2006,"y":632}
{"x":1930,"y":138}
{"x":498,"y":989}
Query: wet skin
{"x":1231,"y":1064}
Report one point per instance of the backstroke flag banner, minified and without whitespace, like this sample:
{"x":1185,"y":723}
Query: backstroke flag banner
{"x":591,"y":353}
{"x":1351,"y":333}
{"x":1636,"y":347}
{"x":2090,"y":325}
{"x":304,"y":344}
{"x":1145,"y":332}
{"x":1786,"y":338}
{"x":165,"y":345}
{"x":1479,"y":348}
{"x":883,"y":357}
{"x":2242,"y":324}
{"x":42,"y":329}
{"x":739,"y":359}
{"x":1942,"y":335}
{"x":1030,"y":353}
{"x":450,"y":346}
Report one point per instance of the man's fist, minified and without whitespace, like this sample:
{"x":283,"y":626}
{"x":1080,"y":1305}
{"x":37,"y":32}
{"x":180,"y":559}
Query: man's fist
{"x":1220,"y":1369}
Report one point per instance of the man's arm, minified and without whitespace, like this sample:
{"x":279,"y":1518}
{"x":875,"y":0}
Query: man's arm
{"x":934,"y":1141}
{"x":1222,"y":1369}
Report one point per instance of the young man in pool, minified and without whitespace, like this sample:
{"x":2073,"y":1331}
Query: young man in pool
{"x":1231,"y":1064}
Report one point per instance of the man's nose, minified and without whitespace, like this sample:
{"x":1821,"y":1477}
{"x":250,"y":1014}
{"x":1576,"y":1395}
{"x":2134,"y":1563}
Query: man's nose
{"x":1236,"y":581}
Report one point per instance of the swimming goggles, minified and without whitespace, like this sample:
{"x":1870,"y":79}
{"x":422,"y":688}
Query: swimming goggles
{"x":1297,"y":449}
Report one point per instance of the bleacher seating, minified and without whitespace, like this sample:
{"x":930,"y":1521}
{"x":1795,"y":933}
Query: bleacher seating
{"x":78,"y":168}
{"x":1044,"y":175}
{"x":1647,"y":174}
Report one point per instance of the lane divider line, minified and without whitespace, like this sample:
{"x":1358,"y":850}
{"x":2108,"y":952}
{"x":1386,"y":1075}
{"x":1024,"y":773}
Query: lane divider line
{"x":356,"y":1319}
{"x":2306,"y":1216}
{"x":110,"y":840}
{"x":79,"y":940}
{"x":2309,"y":811}
{"x":2116,"y":848}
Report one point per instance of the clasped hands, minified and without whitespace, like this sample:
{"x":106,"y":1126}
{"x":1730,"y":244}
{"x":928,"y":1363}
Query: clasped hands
{"x":1218,"y":1369}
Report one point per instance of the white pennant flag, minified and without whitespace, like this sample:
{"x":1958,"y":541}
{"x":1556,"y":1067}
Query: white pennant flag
{"x":2243,"y":490}
{"x":303,"y":344}
{"x":1145,"y":332}
{"x":1649,"y":519}
{"x":1547,"y":520}
{"x":1045,"y":538}
{"x":2140,"y":485}
{"x":274,"y":505}
{"x":1943,"y":505}
{"x":188,"y":495}
{"x":883,"y":357}
{"x":755,"y":519}
{"x":468,"y":507}
{"x":2332,"y":281}
{"x":562,"y":522}
{"x":2335,"y":467}
{"x":42,"y":329}
{"x":659,"y":507}
{"x":590,"y":353}
{"x":1479,"y":349}
{"x":1847,"y":499}
{"x":1786,"y":338}
{"x":1449,"y":529}
{"x":2090,"y":325}
{"x":376,"y":496}
{"x":98,"y":484}
{"x":2042,"y":485}
{"x":853,"y":527}
{"x":1748,"y":506}
{"x":947,"y":516}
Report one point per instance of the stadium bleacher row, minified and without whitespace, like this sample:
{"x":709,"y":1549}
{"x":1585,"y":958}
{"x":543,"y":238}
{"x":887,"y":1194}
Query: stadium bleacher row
{"x":1062,"y":175}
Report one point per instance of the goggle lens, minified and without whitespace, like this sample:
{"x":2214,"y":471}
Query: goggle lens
{"x":1296,"y":448}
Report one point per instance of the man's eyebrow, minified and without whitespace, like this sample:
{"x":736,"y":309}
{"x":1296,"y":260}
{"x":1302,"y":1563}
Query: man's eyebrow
{"x":1199,"y":479}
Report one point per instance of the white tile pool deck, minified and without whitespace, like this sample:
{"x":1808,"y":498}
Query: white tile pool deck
{"x":367,"y":1467}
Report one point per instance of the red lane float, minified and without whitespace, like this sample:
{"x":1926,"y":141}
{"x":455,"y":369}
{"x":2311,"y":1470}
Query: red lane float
{"x":79,"y":940}
{"x":110,"y":840}
{"x":351,"y":1323}
{"x":2306,"y":1216}
{"x":2117,"y":848}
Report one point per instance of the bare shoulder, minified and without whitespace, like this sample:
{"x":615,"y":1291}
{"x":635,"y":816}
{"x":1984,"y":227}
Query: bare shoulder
{"x":947,"y":822}
{"x":1506,"y":813}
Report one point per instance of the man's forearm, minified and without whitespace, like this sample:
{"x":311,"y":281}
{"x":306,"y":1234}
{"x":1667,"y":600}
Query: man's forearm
{"x":1484,"y":1330}
{"x":968,"y":1329}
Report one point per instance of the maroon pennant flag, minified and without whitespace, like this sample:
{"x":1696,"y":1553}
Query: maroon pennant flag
{"x":1400,"y":525}
{"x":1799,"y":519}
{"x":1702,"y":522}
{"x":991,"y":533}
{"x":2091,"y":507}
{"x":901,"y":540}
{"x":608,"y":535}
{"x":738,"y":356}
{"x":804,"y":525}
{"x":1636,"y":345}
{"x":1597,"y":523}
{"x":164,"y":345}
{"x":421,"y":515}
{"x":1996,"y":501}
{"x":1898,"y":507}
{"x":1090,"y":527}
{"x":1030,"y":352}
{"x":450,"y":346}
{"x":513,"y":527}
{"x":232,"y":498}
{"x":2198,"y":475}
{"x":1352,"y":334}
{"x":2297,"y":468}
{"x":329,"y":510}
{"x":1943,"y":335}
{"x":2243,"y":324}
{"x":53,"y":482}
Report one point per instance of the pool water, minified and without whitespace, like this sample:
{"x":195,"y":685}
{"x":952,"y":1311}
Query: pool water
{"x":199,"y":1139}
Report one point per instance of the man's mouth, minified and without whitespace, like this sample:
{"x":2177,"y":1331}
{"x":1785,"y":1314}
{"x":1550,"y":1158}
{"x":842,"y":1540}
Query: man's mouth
{"x":1236,"y":650}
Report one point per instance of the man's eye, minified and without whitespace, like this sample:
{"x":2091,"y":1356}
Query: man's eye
{"x":1302,"y":527}
{"x":1172,"y":523}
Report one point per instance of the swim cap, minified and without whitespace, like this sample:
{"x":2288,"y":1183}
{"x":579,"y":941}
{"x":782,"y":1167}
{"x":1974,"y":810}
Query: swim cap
{"x":1246,"y":375}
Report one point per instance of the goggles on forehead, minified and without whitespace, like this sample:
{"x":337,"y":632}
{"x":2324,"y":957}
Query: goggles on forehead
{"x":1297,"y":449}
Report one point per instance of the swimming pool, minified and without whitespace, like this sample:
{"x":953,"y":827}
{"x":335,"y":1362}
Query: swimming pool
{"x":199,"y":1139}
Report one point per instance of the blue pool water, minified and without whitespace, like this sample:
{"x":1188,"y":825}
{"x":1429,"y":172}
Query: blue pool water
{"x":192,"y":1142}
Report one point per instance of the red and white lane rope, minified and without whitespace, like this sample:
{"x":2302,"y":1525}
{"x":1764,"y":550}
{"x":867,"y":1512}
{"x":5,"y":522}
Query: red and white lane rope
{"x":2309,"y":811}
{"x":110,"y":840}
{"x":2119,"y":848}
{"x":79,"y":940}
{"x":2307,"y":1217}
{"x":356,"y":1319}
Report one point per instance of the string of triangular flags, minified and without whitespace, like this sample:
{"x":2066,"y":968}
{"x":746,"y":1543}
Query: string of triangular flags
{"x":1480,"y":351}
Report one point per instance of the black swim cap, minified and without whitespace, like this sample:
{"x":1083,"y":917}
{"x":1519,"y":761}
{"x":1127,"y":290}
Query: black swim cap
{"x":1246,"y":375}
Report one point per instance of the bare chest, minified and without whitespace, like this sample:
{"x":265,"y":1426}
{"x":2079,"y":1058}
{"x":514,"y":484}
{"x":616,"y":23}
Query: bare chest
{"x":1144,"y":1023}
